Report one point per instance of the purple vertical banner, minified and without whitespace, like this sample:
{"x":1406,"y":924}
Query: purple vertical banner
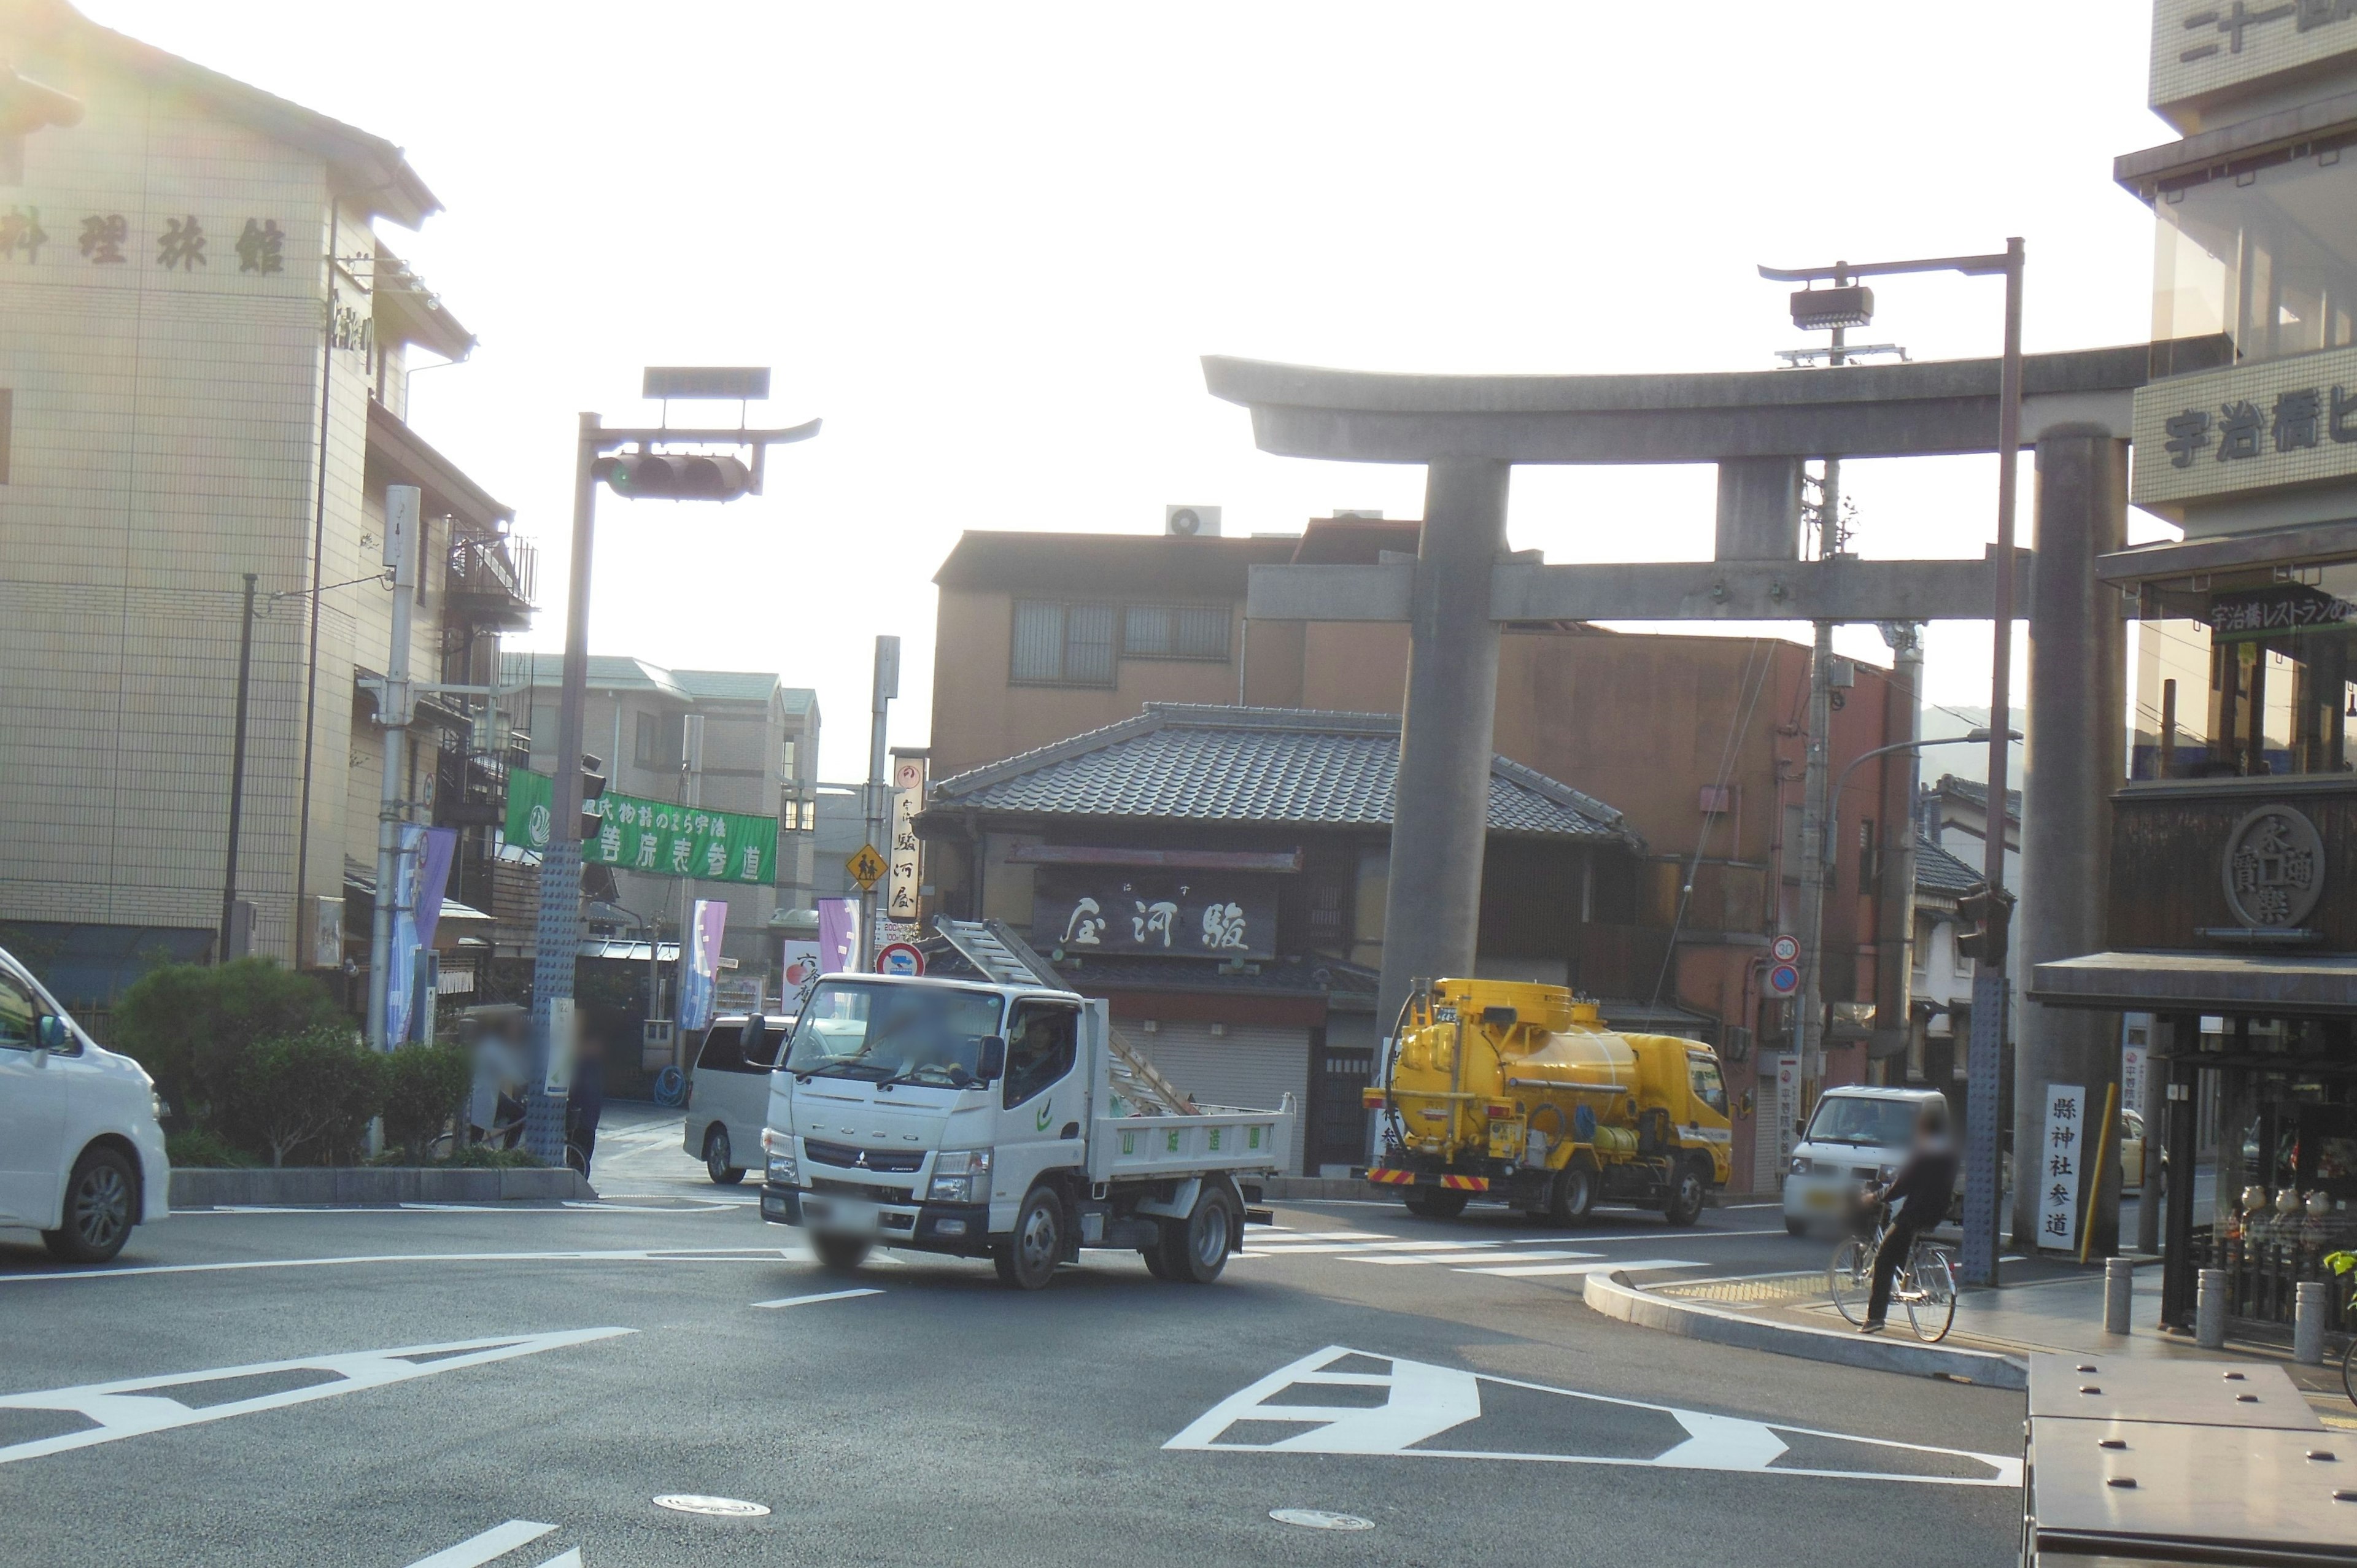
{"x":838,"y":924}
{"x":697,"y":982}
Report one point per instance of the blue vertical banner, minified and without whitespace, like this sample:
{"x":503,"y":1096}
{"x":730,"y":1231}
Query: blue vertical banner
{"x":421,"y":877}
{"x":702,"y":963}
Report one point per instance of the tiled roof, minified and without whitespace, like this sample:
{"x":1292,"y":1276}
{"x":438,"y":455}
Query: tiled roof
{"x":1974,"y":792}
{"x":1937,"y":871}
{"x":1191,"y":762}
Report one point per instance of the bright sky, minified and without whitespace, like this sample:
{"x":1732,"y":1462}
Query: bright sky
{"x":987,"y":244}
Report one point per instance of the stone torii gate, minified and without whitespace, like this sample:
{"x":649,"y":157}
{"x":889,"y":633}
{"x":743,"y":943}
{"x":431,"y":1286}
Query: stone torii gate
{"x":1758,"y":426}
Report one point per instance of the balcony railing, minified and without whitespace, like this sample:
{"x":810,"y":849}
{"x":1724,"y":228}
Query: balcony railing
{"x":493,"y":576}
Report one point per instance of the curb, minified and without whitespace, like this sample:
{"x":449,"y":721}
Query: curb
{"x":1611,"y":1294}
{"x":373,"y":1184}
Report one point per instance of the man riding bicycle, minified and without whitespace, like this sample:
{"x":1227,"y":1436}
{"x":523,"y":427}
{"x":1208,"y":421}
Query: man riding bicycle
{"x":1916,"y":1199}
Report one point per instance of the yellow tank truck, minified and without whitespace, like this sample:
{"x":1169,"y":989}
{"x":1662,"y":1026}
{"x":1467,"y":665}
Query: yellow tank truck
{"x":1521,"y":1094}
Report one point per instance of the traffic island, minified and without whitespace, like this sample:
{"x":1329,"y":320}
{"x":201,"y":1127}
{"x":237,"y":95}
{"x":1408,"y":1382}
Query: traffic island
{"x":1611,"y":1294}
{"x":364,"y":1186}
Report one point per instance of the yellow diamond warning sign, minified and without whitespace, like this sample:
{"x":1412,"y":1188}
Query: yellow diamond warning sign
{"x":866,"y":867}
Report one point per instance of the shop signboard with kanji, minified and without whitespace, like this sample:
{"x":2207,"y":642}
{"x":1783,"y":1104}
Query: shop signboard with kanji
{"x":1166,"y":914}
{"x":654,"y":838}
{"x":2253,"y":427}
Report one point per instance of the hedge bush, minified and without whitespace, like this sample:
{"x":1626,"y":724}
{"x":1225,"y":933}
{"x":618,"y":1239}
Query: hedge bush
{"x":191,"y":1026}
{"x":316,"y":1090}
{"x":422,"y":1087}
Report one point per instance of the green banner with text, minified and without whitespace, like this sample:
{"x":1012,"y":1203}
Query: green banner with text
{"x":658,"y":838}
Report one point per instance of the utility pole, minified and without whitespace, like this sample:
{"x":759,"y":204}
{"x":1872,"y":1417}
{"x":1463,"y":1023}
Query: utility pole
{"x":1815,"y":778}
{"x":393,"y":706}
{"x":1905,"y":639}
{"x":879,"y":797}
{"x":237,"y":775}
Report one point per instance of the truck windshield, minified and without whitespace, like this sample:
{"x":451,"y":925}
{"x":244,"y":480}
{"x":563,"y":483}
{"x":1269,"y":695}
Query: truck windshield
{"x":919,"y":1034}
{"x":1855,"y":1119}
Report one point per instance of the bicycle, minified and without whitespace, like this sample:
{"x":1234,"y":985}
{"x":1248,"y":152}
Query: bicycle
{"x":1925,"y":1284}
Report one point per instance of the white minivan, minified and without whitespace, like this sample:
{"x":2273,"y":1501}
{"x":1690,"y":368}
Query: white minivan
{"x":81,"y":1147}
{"x":729,"y":1093}
{"x":1857,"y":1135}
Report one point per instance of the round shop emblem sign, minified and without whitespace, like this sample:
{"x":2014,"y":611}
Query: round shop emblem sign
{"x":538,"y":827}
{"x":2274,"y":868}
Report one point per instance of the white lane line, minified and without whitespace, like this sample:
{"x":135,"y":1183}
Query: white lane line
{"x":1596,"y":1266}
{"x":132,"y":1406}
{"x":568,"y":1558}
{"x":478,"y":1549}
{"x":624,"y":1255}
{"x":1460,"y":1257}
{"x":823,"y":1295}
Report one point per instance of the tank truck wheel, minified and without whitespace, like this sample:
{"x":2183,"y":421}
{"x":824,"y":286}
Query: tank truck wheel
{"x":1687,"y":1188}
{"x":1436,"y":1202}
{"x":1572,"y":1193}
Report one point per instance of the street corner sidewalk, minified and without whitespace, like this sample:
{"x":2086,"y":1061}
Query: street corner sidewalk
{"x":2042,"y":1308}
{"x":2042,"y":1305}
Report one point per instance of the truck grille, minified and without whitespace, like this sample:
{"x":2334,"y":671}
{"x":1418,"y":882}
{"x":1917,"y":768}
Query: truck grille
{"x":869,"y":1190}
{"x":897,"y":1162}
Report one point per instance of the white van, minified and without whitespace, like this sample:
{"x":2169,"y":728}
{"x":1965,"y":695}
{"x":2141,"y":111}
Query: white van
{"x":82,"y":1145}
{"x":729,"y":1093}
{"x":1856,"y":1135}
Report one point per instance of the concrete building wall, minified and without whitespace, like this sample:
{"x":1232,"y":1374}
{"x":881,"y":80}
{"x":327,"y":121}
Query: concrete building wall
{"x":164,"y":440}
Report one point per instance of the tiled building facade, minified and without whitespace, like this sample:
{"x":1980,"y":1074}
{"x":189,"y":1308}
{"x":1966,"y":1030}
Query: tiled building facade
{"x":204,"y":350}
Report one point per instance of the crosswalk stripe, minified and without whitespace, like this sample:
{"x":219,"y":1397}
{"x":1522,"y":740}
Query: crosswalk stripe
{"x":1303,"y":1238}
{"x":1387,"y":1246}
{"x":1593,"y":1266}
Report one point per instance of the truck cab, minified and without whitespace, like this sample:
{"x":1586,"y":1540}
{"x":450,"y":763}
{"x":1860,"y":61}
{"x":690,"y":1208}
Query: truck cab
{"x":980,"y":1119}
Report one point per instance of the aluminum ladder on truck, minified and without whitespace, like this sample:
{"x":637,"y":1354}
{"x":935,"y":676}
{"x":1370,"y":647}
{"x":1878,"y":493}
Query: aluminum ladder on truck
{"x":1008,"y":959}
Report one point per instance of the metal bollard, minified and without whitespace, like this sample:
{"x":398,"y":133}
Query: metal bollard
{"x":2119,"y":1291}
{"x":2209,"y":1310}
{"x":2308,"y":1324}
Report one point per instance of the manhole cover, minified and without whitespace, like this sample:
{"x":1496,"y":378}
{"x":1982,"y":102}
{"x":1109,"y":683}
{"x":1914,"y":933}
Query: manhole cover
{"x":719,"y":1507}
{"x":1318,"y":1518}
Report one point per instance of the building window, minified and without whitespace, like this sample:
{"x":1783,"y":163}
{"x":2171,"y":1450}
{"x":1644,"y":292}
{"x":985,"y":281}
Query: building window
{"x":1062,"y":644}
{"x":786,"y":757}
{"x":1869,"y":865}
{"x":661,"y":741}
{"x":1174,"y":631}
{"x":7,"y":423}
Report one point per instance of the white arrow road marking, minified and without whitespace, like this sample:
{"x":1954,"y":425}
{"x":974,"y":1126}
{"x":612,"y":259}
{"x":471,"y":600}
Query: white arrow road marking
{"x":815,"y":1300}
{"x":1424,"y":1401}
{"x":569,"y":1558}
{"x":478,"y":1549}
{"x":130,"y":1407}
{"x":617,"y":1255}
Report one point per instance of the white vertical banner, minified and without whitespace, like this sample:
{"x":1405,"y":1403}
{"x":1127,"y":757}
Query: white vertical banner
{"x":2061,"y":1150}
{"x":901,"y":885}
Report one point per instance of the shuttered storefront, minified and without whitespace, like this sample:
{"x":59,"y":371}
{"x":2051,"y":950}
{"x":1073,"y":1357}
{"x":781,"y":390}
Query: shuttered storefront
{"x":1250,"y":1065}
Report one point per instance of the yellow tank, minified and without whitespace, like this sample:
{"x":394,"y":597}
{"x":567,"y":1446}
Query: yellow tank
{"x":1523,"y":1093}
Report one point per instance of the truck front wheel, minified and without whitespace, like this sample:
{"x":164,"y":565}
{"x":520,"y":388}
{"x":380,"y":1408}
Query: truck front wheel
{"x":1436,"y":1202}
{"x":1195,"y":1250}
{"x":1028,"y":1259}
{"x":1686,"y":1190}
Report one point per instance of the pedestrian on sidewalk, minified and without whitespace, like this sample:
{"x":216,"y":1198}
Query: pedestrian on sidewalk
{"x":1916,"y":1199}
{"x":585,"y":1101}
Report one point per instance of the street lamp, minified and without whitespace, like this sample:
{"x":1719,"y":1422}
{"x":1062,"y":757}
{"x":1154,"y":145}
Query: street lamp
{"x":1985,"y":1081}
{"x":645,"y":471}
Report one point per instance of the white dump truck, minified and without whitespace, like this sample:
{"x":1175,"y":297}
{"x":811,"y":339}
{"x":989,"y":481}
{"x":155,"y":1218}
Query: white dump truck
{"x":1000,"y":1117}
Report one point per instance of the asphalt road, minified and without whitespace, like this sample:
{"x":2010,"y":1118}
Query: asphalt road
{"x":513,"y":1387}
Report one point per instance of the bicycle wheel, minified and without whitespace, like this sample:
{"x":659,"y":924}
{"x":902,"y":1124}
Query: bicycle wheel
{"x":1849,"y":1278}
{"x":2349,"y":1370}
{"x":1932,"y":1295}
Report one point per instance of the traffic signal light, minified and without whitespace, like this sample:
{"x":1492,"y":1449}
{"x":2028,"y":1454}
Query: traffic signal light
{"x":1990,"y":912}
{"x":674,"y":477}
{"x":593,"y":785}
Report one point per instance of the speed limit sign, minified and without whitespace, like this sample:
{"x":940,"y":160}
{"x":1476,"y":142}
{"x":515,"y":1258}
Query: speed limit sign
{"x":1785,"y":950}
